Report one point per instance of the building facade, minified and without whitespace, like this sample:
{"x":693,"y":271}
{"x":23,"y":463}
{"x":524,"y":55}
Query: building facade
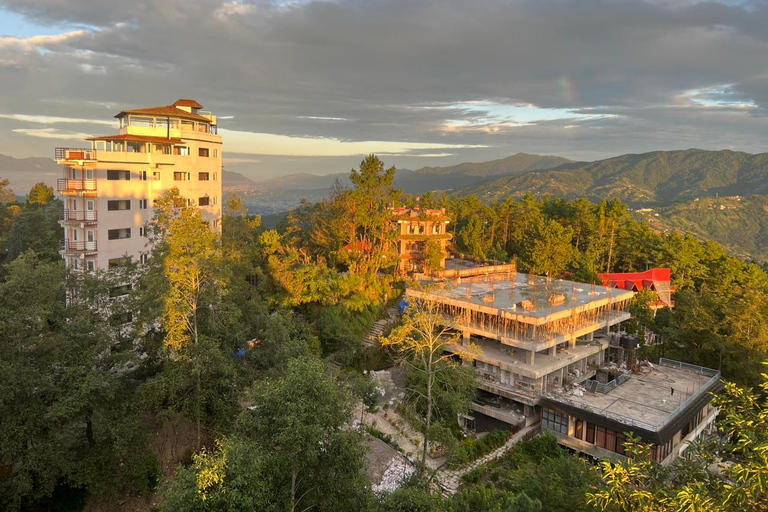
{"x":416,"y":228}
{"x":546,"y":357}
{"x":109,"y":189}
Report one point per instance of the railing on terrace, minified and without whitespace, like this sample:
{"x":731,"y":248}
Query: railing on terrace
{"x":67,"y":185}
{"x":72,"y":247}
{"x":489,"y":377}
{"x":476,"y":271}
{"x":74,"y":154}
{"x":80,"y":215}
{"x":714,"y":375}
{"x":599,"y":387}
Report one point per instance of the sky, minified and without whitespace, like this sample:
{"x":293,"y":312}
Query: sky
{"x":313,"y":86}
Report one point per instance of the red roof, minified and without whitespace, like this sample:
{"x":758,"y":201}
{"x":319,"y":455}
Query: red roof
{"x":136,"y":138}
{"x":642,"y":280}
{"x":169,"y":111}
{"x":187,"y":103}
{"x":655,"y":279}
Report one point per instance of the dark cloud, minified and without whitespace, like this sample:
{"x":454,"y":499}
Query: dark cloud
{"x":395,"y":70}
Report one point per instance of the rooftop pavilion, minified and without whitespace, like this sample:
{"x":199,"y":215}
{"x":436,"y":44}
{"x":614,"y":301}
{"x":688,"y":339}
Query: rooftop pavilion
{"x":647,"y":403}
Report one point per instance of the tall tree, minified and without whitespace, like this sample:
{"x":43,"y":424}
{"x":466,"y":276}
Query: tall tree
{"x":40,"y":194}
{"x":420,"y":342}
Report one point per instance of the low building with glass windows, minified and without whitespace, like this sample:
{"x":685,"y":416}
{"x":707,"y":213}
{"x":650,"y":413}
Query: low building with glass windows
{"x":665,"y":405}
{"x":109,"y":189}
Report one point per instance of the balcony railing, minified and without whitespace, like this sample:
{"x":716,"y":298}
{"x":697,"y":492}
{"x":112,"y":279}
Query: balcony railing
{"x":80,"y":216}
{"x":73,"y":186}
{"x":74,"y":154}
{"x":72,"y":247}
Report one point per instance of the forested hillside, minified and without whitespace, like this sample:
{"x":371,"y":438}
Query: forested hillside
{"x":657,"y":178}
{"x":226,"y":376}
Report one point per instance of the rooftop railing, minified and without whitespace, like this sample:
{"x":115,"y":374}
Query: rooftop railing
{"x":714,"y":375}
{"x":74,"y":154}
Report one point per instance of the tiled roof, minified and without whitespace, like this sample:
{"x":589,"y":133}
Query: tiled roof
{"x":187,"y":103}
{"x":169,"y":111}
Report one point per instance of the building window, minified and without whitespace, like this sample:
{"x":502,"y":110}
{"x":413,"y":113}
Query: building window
{"x":181,"y":150}
{"x":590,"y":433}
{"x":119,"y":234}
{"x":142,"y":204}
{"x":143,"y":175}
{"x":121,"y":204}
{"x":204,"y":201}
{"x":554,"y":421}
{"x":155,"y":175}
{"x":436,"y":228}
{"x":119,"y":175}
{"x":600,"y":438}
{"x":215,"y":153}
{"x":181,"y":176}
{"x":203,"y":176}
{"x":144,"y":258}
{"x":142,"y":231}
{"x":203,"y":152}
{"x":215,"y":200}
{"x":164,"y":149}
{"x":215,"y":176}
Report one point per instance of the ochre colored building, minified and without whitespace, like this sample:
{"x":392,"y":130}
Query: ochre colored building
{"x":416,"y":227}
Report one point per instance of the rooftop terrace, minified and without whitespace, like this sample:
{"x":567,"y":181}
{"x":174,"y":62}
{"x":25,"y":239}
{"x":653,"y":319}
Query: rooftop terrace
{"x":523,"y":296}
{"x":650,"y":400}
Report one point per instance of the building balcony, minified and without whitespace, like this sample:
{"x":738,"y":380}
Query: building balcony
{"x":79,"y":217}
{"x":72,"y":248}
{"x":69,"y":187}
{"x":68,"y":155}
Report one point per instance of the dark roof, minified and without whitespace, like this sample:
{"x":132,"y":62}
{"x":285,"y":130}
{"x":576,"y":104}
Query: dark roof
{"x":136,"y":138}
{"x":660,"y":436}
{"x":168,"y":111}
{"x":187,"y":103}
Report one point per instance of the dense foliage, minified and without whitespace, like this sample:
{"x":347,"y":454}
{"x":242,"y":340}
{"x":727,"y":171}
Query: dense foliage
{"x":252,"y":341}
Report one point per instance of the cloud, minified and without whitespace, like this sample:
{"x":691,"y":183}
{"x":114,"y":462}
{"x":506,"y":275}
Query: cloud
{"x":271,"y":144}
{"x":473,"y":80}
{"x":52,"y":133}
{"x":42,"y":119}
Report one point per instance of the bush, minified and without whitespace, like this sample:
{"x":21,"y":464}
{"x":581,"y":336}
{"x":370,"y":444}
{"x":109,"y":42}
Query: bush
{"x":470,"y":449}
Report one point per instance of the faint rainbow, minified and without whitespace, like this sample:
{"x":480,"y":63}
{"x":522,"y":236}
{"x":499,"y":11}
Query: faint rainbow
{"x":566,"y":87}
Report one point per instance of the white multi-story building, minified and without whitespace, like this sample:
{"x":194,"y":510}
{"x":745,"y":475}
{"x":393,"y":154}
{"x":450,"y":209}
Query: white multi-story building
{"x":109,"y":189}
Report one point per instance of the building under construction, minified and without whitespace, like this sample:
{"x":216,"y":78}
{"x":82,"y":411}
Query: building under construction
{"x":544,"y":339}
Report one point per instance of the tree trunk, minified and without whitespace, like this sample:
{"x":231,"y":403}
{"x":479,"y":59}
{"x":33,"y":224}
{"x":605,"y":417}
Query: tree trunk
{"x":428,"y":421}
{"x":293,"y":489}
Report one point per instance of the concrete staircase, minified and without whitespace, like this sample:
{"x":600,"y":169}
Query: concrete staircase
{"x":378,"y":328}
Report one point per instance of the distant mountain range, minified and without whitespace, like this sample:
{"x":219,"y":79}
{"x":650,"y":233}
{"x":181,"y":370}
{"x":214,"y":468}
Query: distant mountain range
{"x":23,"y":173}
{"x":719,"y":195}
{"x":651,"y":179}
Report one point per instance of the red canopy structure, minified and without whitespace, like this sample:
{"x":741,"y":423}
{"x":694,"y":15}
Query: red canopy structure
{"x":655,"y":279}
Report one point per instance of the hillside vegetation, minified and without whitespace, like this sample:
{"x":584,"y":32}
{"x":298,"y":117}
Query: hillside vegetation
{"x":519,"y":162}
{"x":657,"y":178}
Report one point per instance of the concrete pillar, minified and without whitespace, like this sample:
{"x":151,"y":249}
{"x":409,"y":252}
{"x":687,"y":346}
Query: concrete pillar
{"x":465,"y":337}
{"x":530,"y":356}
{"x":591,"y":336}
{"x":552,"y":350}
{"x":572,"y":341}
